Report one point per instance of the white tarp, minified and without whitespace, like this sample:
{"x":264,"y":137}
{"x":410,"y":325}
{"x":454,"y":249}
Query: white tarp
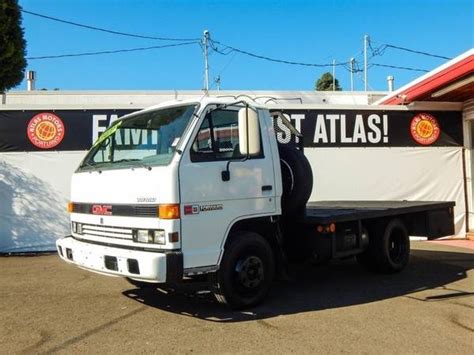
{"x":34,"y":186}
{"x":34,"y":190}
{"x":418,"y":174}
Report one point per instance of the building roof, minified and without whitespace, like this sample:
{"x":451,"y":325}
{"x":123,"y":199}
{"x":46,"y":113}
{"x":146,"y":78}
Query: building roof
{"x":140,"y":99}
{"x":450,"y":82}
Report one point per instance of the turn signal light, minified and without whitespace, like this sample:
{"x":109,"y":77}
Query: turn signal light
{"x":173,"y":237}
{"x":69,"y":207}
{"x":332,"y":228}
{"x":170,"y":211}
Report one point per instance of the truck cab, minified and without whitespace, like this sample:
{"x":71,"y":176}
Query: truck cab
{"x":158,"y":193}
{"x":191,"y":188}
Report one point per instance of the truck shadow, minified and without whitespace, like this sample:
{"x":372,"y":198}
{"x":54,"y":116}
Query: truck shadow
{"x":314,"y":288}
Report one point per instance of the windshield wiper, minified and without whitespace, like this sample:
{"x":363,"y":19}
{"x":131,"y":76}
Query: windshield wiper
{"x":125,"y":160}
{"x":89,"y":164}
{"x":143,"y":165}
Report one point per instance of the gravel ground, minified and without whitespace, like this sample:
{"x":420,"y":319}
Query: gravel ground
{"x":49,"y":306}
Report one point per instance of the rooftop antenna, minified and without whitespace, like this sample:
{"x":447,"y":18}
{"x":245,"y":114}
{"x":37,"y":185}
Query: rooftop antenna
{"x":390,"y":80}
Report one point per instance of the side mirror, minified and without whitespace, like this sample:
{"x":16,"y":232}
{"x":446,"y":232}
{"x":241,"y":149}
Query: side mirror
{"x":249,"y":132}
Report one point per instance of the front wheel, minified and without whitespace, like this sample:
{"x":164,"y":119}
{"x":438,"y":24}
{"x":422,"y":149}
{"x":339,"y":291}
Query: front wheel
{"x":246,"y":271}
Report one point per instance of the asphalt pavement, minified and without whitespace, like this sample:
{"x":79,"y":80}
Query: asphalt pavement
{"x":48,"y":306}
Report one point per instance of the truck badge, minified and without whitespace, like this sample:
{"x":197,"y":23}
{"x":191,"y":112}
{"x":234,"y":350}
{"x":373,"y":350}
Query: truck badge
{"x":196,"y":209}
{"x":191,"y":209}
{"x":102,"y":209}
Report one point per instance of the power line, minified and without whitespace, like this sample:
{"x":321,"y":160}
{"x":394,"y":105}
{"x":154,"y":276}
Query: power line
{"x":222,"y":70}
{"x":417,"y":52}
{"x":110,"y":52}
{"x":397,"y":67}
{"x":380,"y":50}
{"x":107,"y":30}
{"x":375,"y":52}
{"x":229,"y":49}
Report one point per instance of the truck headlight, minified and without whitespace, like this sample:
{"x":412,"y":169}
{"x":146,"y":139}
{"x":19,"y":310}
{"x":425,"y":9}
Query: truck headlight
{"x":159,"y":237}
{"x":149,"y":236}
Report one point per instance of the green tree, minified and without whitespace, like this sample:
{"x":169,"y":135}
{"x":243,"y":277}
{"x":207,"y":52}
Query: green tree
{"x":324,"y":83}
{"x":12,"y":45}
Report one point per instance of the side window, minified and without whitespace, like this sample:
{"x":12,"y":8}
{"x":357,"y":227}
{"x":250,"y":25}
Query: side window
{"x":218,"y":137}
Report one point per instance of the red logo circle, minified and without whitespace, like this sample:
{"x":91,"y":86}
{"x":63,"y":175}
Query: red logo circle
{"x":424,"y":129}
{"x":45,"y":130}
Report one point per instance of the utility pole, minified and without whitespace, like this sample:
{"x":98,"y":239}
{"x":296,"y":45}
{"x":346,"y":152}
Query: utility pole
{"x":334,"y":75}
{"x":205,"y":42}
{"x":217,"y":80}
{"x":352,"y":73}
{"x":366,"y":42}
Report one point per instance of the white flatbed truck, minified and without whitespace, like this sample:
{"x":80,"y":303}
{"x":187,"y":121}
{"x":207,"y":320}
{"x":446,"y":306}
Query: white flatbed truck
{"x":191,"y":188}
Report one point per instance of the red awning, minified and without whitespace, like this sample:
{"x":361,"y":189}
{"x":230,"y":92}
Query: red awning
{"x":451,"y":82}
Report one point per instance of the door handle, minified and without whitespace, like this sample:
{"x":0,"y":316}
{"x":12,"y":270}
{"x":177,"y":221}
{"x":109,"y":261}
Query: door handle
{"x":267,"y":188}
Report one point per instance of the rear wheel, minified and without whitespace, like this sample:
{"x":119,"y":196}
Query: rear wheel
{"x":246,"y":271}
{"x":389,"y":247}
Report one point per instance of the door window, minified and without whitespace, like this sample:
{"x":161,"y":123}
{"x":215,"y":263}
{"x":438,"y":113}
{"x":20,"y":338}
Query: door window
{"x":218,"y":137}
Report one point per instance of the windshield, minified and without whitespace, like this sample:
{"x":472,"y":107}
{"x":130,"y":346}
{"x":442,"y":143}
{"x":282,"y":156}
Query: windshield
{"x":146,"y":139}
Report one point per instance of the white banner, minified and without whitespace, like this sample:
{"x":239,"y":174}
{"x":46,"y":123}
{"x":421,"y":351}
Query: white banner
{"x":418,"y":174}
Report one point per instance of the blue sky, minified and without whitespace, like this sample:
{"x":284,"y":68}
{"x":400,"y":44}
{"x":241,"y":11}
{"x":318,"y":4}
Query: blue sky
{"x":301,"y":31}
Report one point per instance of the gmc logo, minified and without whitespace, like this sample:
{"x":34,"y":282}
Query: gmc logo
{"x":102,"y":209}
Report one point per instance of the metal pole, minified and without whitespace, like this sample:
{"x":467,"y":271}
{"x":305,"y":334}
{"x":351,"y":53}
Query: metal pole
{"x":205,"y":42}
{"x":30,"y":80}
{"x":366,"y":42}
{"x":352,"y":73}
{"x":333,"y":75}
{"x":390,"y":82}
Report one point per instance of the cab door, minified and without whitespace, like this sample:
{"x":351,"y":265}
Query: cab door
{"x":210,"y":205}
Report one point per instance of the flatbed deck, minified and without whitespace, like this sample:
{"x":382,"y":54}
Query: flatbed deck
{"x":343,"y":211}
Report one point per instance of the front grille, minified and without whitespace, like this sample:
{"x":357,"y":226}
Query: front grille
{"x":146,"y":211}
{"x":118,"y":210}
{"x":94,"y":230}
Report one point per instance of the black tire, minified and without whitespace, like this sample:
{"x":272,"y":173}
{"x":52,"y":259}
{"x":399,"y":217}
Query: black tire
{"x":141,"y":284}
{"x":389,"y":248}
{"x":245,"y":273}
{"x":297,"y":179}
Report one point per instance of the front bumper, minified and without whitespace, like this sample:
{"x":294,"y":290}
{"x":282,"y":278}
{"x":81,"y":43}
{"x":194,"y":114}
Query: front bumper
{"x":139,"y":265}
